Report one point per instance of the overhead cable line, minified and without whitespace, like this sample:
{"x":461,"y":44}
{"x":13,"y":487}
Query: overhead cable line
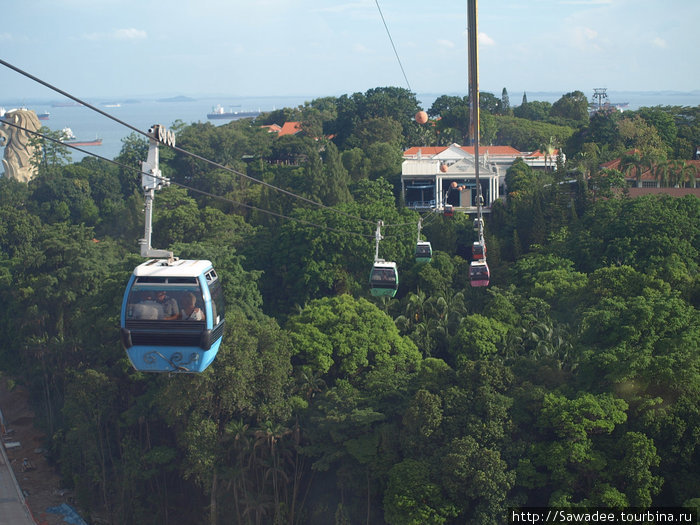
{"x":190,"y":188}
{"x":184,"y":152}
{"x":188,"y":153}
{"x":392,"y":45}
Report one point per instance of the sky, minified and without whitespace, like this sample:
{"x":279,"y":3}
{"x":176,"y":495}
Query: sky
{"x":139,"y":48}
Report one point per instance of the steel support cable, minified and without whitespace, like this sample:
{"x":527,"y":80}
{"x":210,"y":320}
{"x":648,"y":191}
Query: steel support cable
{"x":184,"y":186}
{"x":392,"y":45}
{"x":185,"y":152}
{"x":188,"y":153}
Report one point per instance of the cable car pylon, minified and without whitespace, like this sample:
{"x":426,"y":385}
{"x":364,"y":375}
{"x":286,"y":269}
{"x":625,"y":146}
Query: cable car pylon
{"x":152,"y":180}
{"x":479,"y":274}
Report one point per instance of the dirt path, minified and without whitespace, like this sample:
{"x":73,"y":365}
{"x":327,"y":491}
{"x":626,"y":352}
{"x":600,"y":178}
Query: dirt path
{"x":36,"y":477}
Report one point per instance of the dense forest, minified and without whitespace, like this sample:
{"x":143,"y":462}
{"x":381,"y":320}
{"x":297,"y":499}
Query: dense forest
{"x":572,"y":380}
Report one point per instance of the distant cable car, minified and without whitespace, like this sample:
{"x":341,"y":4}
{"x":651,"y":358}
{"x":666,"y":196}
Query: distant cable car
{"x":478,"y":224}
{"x":384,"y":279}
{"x":155,"y":337}
{"x":449,"y":210}
{"x":479,"y":274}
{"x":478,"y":251}
{"x":424,"y":252}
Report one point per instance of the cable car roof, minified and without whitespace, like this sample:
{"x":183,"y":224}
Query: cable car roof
{"x":178,"y":268}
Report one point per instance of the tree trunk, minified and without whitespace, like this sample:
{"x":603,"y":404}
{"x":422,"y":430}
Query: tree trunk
{"x":212,"y":498}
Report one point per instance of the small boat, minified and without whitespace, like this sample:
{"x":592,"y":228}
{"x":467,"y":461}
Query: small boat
{"x":69,"y":138}
{"x":218,"y":112}
{"x":66,"y":104}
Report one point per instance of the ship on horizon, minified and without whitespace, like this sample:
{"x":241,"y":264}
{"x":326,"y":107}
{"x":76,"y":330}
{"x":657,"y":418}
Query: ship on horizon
{"x":70,"y":139}
{"x":218,"y":112}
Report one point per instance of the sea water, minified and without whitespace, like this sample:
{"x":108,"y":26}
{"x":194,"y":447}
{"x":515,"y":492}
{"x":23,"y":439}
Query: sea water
{"x":141,"y":114}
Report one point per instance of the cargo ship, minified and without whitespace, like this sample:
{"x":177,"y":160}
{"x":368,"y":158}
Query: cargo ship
{"x":218,"y":112}
{"x":71,"y":140}
{"x":43,"y":116}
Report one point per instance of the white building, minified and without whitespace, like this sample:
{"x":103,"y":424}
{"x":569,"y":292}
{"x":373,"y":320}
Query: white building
{"x":427,"y":173}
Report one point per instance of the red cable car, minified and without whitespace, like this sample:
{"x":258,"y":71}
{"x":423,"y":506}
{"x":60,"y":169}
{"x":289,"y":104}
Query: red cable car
{"x":479,"y":274}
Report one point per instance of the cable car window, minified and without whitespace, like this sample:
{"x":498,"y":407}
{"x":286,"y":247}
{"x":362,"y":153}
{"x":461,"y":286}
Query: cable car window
{"x":383,"y":276}
{"x":158,"y":301}
{"x":217,"y":301}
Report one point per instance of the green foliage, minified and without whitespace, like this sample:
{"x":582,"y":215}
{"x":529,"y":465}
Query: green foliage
{"x":527,"y":135}
{"x":341,"y":337}
{"x":413,"y":498}
{"x":571,"y":107}
{"x":572,"y":380}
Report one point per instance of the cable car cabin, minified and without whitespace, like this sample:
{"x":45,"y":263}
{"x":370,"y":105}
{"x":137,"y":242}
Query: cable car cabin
{"x":478,"y":251}
{"x":479,"y":273}
{"x":172,"y":317}
{"x":449,"y":211}
{"x":424,"y":252}
{"x":384,"y":279}
{"x":478,"y":224}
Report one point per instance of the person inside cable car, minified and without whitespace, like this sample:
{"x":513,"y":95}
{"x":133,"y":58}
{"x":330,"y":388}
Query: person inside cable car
{"x":189,"y":311}
{"x":383,"y":277}
{"x":147,"y":308}
{"x":169,"y":304}
{"x":423,"y":250}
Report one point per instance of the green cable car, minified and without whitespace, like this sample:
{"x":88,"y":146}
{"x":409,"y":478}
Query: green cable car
{"x":384,"y":279}
{"x":424,"y":252}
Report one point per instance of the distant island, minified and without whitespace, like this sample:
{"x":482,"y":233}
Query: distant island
{"x":180,"y":98}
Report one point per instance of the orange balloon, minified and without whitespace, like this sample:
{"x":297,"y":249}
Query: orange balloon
{"x":443,"y":167}
{"x":421,"y":117}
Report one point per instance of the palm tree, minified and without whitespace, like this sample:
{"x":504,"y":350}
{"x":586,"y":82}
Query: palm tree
{"x":675,"y":172}
{"x":660,"y":172}
{"x":689,"y":173}
{"x":547,"y":149}
{"x":632,"y":164}
{"x":650,"y":162}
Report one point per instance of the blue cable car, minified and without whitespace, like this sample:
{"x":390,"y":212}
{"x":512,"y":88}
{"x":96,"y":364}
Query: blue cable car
{"x":479,"y":274}
{"x":172,"y":317}
{"x":384,"y":279}
{"x":424,"y":252}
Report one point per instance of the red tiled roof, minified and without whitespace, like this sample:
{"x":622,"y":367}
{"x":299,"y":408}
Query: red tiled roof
{"x":272,"y":128}
{"x":430,"y":151}
{"x":673,"y":192}
{"x":424,"y":150}
{"x":290,"y":128}
{"x":493,"y":150}
{"x":647,"y":174}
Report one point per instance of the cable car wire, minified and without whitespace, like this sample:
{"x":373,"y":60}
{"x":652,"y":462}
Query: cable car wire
{"x":190,"y":188}
{"x":392,"y":45}
{"x":184,"y":152}
{"x":199,"y":157}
